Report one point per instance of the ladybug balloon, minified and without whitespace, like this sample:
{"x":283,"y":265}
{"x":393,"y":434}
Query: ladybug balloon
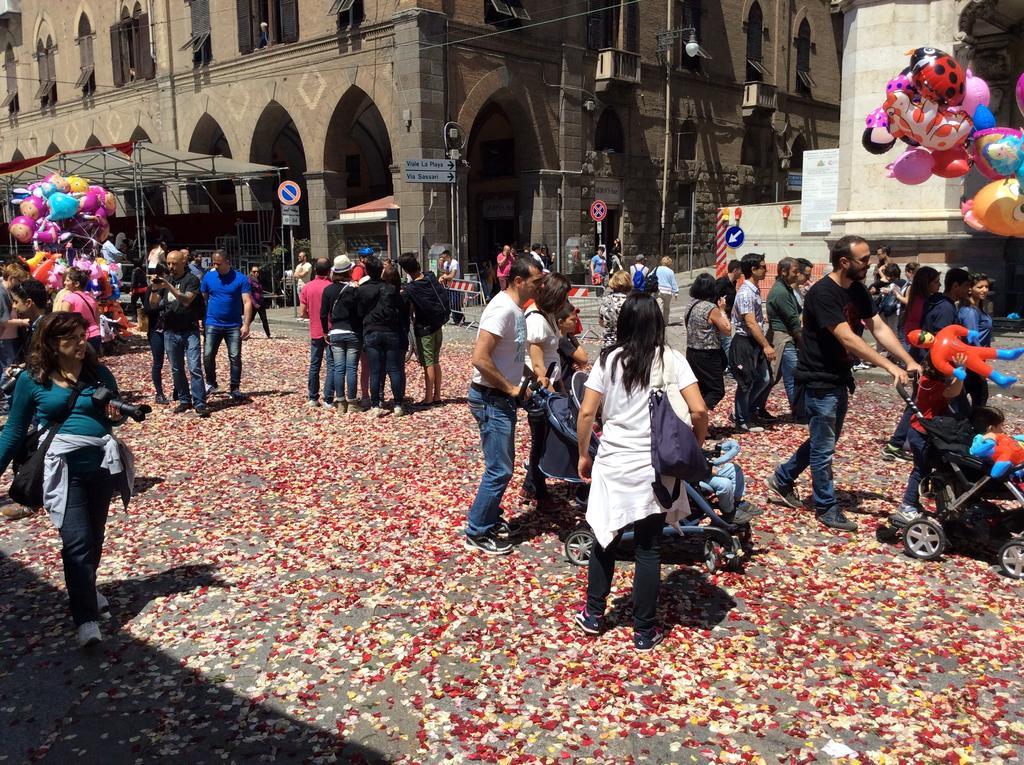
{"x":937,"y":76}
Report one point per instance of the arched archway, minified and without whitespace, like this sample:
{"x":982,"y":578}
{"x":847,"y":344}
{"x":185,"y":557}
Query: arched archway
{"x":276,"y":141}
{"x":358,"y":147}
{"x":494,"y":156}
{"x":609,"y":135}
{"x":208,"y":138}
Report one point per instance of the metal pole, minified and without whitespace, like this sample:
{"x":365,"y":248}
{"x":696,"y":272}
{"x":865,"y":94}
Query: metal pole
{"x":693,"y":221}
{"x":668,"y":131}
{"x":559,"y":265}
{"x":458,"y":217}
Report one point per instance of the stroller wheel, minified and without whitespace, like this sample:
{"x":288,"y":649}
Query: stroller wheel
{"x":1011,"y":558}
{"x":714,"y":556}
{"x":578,"y":546}
{"x":745,"y":536}
{"x":924,"y":539}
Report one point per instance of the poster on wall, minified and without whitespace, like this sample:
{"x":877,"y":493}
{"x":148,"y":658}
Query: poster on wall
{"x":819,"y":192}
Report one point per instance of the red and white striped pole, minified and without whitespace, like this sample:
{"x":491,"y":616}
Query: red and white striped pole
{"x":720,"y":248}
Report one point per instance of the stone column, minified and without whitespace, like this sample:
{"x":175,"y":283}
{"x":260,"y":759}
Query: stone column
{"x":420,"y":81}
{"x":923,"y":220}
{"x":571,"y":145}
{"x":325,"y":198}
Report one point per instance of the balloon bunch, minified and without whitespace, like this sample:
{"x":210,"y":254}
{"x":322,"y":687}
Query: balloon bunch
{"x":934,"y":106}
{"x":50,"y":268}
{"x":57,"y":209}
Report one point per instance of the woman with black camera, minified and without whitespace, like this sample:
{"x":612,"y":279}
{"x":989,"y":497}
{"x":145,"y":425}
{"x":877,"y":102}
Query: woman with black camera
{"x":65,"y":387}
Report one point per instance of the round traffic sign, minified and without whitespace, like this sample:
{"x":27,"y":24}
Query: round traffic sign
{"x":598,"y":210}
{"x":289,"y":193}
{"x":734,"y":237}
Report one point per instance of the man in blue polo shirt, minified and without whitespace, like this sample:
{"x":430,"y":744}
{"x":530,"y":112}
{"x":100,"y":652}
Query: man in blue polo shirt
{"x":228,"y":316}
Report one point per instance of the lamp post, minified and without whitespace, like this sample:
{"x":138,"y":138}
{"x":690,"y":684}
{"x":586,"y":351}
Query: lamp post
{"x":666,"y":41}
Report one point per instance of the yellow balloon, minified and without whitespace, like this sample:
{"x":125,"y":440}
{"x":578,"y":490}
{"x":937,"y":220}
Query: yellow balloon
{"x":35,"y":260}
{"x":77,"y":185}
{"x":999,"y":206}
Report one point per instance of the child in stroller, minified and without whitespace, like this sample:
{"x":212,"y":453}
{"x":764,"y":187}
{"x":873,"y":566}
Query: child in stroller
{"x":726,"y":530}
{"x":974,"y":509}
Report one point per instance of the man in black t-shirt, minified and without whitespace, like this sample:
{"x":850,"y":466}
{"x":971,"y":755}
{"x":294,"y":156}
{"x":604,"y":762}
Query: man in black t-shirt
{"x":182,"y":304}
{"x":725,"y":288}
{"x":836,"y":311}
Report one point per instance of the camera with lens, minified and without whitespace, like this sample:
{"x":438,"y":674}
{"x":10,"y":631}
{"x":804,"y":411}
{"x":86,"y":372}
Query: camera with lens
{"x":12,"y":380}
{"x":105,"y":397}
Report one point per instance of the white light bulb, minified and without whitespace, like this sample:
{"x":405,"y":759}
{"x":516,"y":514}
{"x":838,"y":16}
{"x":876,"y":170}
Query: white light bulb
{"x":692,"y":49}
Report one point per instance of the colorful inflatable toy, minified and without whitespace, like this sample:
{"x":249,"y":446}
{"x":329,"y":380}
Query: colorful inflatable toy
{"x":948,"y":343}
{"x":1004,"y":450}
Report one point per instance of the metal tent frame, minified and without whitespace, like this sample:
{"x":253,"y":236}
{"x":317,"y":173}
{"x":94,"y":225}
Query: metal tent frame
{"x":132,"y":166}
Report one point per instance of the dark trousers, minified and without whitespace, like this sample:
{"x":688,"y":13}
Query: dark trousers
{"x":976,"y":388}
{"x":262,"y":312}
{"x":386,"y":354}
{"x":709,"y":368}
{"x":156,"y":348}
{"x":646,"y":574}
{"x":85,"y":521}
{"x":534,"y":481}
{"x":919,"y":448}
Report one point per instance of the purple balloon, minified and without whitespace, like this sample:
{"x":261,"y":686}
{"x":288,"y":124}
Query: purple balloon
{"x":1020,"y":93}
{"x":914,"y":166}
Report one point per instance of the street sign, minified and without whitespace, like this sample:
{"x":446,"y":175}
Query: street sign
{"x":598,"y":211}
{"x":289,"y":193}
{"x":734,"y":237}
{"x":290,"y":216}
{"x":429,"y":176}
{"x":430,"y":165}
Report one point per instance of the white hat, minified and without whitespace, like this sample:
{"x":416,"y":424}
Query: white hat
{"x":341,"y":264}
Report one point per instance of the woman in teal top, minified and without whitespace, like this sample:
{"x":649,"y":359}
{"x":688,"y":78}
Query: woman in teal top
{"x":59,"y":359}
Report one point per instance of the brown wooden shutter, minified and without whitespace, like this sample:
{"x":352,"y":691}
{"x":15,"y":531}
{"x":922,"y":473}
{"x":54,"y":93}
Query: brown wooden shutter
{"x":115,"y":55}
{"x":147,"y":66}
{"x":289,"y":21}
{"x":244,"y":26}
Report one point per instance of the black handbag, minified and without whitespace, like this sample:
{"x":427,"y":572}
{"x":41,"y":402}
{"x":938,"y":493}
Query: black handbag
{"x":27,"y":486}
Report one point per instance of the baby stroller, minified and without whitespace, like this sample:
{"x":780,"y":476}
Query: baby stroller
{"x":725,"y":544}
{"x":966,"y":515}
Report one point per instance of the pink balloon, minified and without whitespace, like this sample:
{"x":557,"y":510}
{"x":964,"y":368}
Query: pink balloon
{"x":976,"y":93}
{"x":90,"y":202}
{"x":48,"y":233}
{"x":23,"y":228}
{"x":1020,"y":93}
{"x":914,"y":166}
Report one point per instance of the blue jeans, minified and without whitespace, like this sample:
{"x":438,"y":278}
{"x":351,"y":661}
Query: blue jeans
{"x":495,"y":415}
{"x":8,"y":355}
{"x":233,"y":337}
{"x":346,"y":367}
{"x":156,"y":349}
{"x":919,"y":448}
{"x":385,"y":353}
{"x":182,"y":346}
{"x":85,"y":522}
{"x":826,"y":409}
{"x":729,"y":487}
{"x":788,"y":366}
{"x":317,"y":350}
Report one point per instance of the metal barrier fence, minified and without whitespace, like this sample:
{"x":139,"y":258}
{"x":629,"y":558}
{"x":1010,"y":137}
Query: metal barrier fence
{"x":466,"y":299}
{"x":587,"y":301}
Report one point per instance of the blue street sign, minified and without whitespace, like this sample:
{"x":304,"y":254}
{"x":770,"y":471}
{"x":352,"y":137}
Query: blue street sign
{"x":734,"y":237}
{"x":289,"y":193}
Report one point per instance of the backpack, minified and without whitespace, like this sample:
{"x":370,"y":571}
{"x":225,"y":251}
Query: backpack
{"x":675,"y":452}
{"x":639,"y":278}
{"x":435,"y":313}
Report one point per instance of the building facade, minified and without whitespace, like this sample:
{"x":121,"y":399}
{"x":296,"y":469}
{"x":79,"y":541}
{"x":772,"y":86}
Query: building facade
{"x":559,"y":104}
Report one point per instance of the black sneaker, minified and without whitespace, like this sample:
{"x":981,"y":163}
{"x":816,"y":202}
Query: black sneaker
{"x":835,"y":519}
{"x":646,"y":641}
{"x":238,"y":397}
{"x":506,"y":529}
{"x":744,"y":514}
{"x":160,"y":398}
{"x":182,"y":408}
{"x":588,"y":622}
{"x":203,"y":411}
{"x":765,"y":416}
{"x":787,"y":496}
{"x":488,"y":543}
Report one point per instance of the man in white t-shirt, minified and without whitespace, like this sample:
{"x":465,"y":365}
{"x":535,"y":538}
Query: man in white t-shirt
{"x":499,"y":357}
{"x":449,"y":268}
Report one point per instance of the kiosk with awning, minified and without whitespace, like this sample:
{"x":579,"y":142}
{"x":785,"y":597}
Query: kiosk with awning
{"x":373,"y":224}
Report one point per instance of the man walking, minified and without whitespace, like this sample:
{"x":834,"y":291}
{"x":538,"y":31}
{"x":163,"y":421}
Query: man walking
{"x":836,"y":310}
{"x":750,"y":353}
{"x":311,"y":300}
{"x":430,"y":313}
{"x":784,"y":326}
{"x":499,"y":358}
{"x":179,"y":292}
{"x":228,"y":316}
{"x":667,"y":286}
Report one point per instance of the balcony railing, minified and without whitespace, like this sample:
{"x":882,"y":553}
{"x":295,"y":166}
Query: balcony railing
{"x":615,"y":65}
{"x":758,"y":95}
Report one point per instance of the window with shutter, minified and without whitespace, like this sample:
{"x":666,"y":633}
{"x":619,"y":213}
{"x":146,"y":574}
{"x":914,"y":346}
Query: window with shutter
{"x":245,"y":26}
{"x":116,"y":57}
{"x":756,"y":71}
{"x":145,"y":67}
{"x":350,"y":13}
{"x":690,"y":13}
{"x":288,"y":11}
{"x":199,"y":41}
{"x":11,"y":76}
{"x":504,"y":11}
{"x":86,"y":81}
{"x":804,"y":81}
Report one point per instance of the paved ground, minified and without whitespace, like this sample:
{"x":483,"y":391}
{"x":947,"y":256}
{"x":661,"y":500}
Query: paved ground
{"x":290,"y":586}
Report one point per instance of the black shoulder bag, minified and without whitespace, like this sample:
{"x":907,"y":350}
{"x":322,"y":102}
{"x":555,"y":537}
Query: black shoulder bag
{"x":27,"y":486}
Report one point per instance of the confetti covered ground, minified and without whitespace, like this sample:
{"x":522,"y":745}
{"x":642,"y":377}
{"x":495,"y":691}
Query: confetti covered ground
{"x":291,"y":586}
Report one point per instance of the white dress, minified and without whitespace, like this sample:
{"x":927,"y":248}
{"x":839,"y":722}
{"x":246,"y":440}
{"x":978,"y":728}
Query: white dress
{"x":621,"y":492}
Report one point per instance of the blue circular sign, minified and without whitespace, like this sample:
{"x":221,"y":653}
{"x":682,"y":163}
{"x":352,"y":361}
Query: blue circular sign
{"x":289,"y":193}
{"x":734,"y":237}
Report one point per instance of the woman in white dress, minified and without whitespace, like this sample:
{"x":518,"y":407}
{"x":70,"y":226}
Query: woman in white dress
{"x":621,"y":491}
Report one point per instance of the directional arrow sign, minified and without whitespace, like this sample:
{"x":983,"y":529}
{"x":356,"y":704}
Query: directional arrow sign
{"x":430,"y":165}
{"x":429,"y":176}
{"x":734,"y":237}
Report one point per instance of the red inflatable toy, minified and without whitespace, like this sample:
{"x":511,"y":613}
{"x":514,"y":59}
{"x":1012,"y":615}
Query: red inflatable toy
{"x":950,"y":342}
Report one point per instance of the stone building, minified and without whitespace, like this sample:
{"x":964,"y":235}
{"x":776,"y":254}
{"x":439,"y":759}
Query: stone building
{"x":560,"y":104}
{"x":924,"y":222}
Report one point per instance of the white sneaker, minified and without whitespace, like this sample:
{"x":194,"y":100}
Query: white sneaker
{"x":211,"y":389}
{"x":312,"y":403}
{"x":375,"y":411}
{"x":89,"y":634}
{"x":101,"y":602}
{"x":399,"y":412}
{"x":905,"y":515}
